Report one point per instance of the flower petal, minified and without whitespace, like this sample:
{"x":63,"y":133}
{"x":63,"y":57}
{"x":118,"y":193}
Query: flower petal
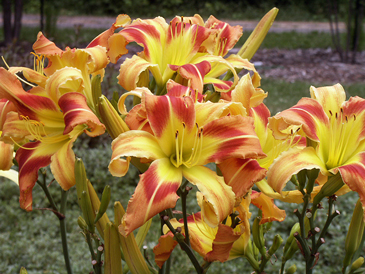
{"x":270,"y":212}
{"x":76,"y":112}
{"x":6,"y":152}
{"x":227,"y":37}
{"x":222,"y":244}
{"x":155,"y":192}
{"x":331,"y":98}
{"x":215,"y":198}
{"x":44,"y":46}
{"x":131,"y":70}
{"x":241,"y":174}
{"x":135,"y":143}
{"x":31,"y":157}
{"x":291,"y":162}
{"x":230,"y":136}
{"x":164,"y":248}
{"x":353,"y":175}
{"x":308,"y":114}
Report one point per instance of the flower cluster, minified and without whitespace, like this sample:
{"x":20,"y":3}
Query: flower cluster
{"x":195,"y":120}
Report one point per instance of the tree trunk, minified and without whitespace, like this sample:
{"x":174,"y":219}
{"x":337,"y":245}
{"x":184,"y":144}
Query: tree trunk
{"x":7,"y":21}
{"x":18,"y":12}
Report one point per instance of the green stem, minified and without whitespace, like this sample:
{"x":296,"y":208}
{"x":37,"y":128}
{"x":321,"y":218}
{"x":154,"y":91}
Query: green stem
{"x":184,"y":247}
{"x":63,"y":231}
{"x":43,"y":185}
{"x":183,"y":203}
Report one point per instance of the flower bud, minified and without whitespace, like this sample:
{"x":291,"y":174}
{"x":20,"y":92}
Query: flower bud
{"x":333,"y":184}
{"x":132,"y":254}
{"x":110,"y":117}
{"x":83,"y":194}
{"x":275,"y":245}
{"x":23,"y":271}
{"x":81,"y":222}
{"x":291,"y":269}
{"x":105,"y":199}
{"x":113,"y":256}
{"x":257,"y":36}
{"x":354,"y":234}
{"x":357,"y":264}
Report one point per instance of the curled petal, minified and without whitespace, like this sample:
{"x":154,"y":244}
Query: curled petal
{"x":247,"y":94}
{"x":270,"y":212}
{"x":227,"y":37}
{"x":76,"y":112}
{"x":64,"y":80}
{"x":291,"y":162}
{"x":215,"y":198}
{"x":163,"y":249}
{"x":155,"y":192}
{"x":44,"y":46}
{"x":131,"y":70}
{"x":102,"y":39}
{"x":194,"y":74}
{"x":308,"y":114}
{"x":6,"y":152}
{"x":222,"y":244}
{"x":135,"y":143}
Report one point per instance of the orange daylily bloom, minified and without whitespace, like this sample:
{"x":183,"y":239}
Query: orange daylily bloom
{"x":51,"y":127}
{"x":334,"y":129}
{"x":68,"y":70}
{"x":184,"y":138}
{"x":186,"y":40}
{"x":221,"y":243}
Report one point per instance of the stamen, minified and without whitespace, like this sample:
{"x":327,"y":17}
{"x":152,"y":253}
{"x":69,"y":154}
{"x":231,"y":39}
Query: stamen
{"x":19,"y":78}
{"x":26,"y":148}
{"x":177,"y":148}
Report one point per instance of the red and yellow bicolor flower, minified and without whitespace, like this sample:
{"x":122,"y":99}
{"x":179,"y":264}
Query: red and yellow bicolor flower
{"x":184,"y":137}
{"x":68,"y":70}
{"x":166,"y":47}
{"x":50,"y":128}
{"x":223,"y":242}
{"x":334,"y":129}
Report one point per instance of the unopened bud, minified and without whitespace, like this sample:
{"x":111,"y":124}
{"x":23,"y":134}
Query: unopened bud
{"x":113,"y":122}
{"x":275,"y":245}
{"x":357,"y":264}
{"x":333,"y":184}
{"x":291,"y":269}
{"x":354,"y":234}
{"x":81,"y":222}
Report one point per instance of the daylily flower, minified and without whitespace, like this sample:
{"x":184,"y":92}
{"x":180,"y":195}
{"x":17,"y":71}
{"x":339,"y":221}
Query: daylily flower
{"x":51,"y":127}
{"x":68,"y":70}
{"x":334,"y":129}
{"x":168,"y":46}
{"x":181,"y":144}
{"x":221,"y":243}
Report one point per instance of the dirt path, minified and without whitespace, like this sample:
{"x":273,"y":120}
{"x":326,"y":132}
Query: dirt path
{"x":105,"y":22}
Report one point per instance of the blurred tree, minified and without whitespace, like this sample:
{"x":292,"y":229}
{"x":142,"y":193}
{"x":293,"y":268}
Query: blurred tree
{"x":12,"y":27}
{"x":351,"y":11}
